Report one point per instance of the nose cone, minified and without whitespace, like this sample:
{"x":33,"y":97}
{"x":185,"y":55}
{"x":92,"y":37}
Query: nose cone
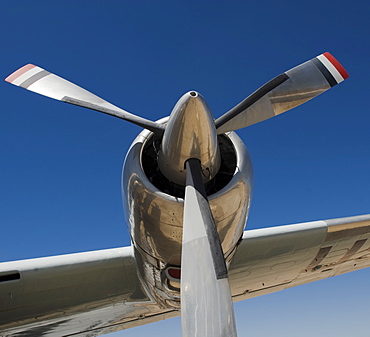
{"x":190,"y":133}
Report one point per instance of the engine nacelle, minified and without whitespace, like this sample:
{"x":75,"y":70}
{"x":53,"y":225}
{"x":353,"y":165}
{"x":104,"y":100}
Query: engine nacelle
{"x":154,"y":210}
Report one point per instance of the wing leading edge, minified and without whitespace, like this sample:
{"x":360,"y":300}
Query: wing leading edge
{"x":272,"y":259}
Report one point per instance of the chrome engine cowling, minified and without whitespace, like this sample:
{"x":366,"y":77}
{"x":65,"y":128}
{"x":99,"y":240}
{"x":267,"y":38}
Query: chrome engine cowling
{"x":154,"y":210}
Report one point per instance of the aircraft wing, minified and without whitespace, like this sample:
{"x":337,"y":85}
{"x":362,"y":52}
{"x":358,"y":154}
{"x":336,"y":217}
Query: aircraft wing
{"x":84,"y":294}
{"x":276,"y":258}
{"x":94,"y":293}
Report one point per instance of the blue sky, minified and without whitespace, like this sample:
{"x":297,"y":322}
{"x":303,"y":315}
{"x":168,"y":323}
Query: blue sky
{"x":61,"y":165}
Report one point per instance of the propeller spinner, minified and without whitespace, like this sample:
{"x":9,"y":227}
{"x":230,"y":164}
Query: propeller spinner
{"x":190,"y":133}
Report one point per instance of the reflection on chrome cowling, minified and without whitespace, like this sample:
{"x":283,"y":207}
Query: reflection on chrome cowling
{"x":155,"y":217}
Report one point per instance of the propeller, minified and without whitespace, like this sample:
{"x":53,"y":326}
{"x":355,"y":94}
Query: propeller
{"x":191,"y":138}
{"x":284,"y":92}
{"x":38,"y":80}
{"x":206,"y":303}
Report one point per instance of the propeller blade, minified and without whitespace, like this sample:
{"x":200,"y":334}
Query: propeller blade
{"x":38,"y":80}
{"x":286,"y":91}
{"x":206,"y":304}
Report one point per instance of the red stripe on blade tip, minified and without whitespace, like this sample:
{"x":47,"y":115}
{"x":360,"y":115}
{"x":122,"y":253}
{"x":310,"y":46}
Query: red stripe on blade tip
{"x":337,"y":65}
{"x":19,"y":72}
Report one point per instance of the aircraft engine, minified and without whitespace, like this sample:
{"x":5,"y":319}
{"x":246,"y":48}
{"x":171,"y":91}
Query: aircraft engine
{"x":187,"y":183}
{"x":153,"y":207}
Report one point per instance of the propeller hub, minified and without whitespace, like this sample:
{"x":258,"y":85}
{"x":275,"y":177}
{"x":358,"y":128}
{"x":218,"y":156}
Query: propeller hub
{"x":190,"y":133}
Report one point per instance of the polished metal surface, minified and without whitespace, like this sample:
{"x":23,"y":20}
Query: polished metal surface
{"x":40,"y":81}
{"x":305,"y":82}
{"x":190,"y":133}
{"x":155,"y":218}
{"x":206,"y":303}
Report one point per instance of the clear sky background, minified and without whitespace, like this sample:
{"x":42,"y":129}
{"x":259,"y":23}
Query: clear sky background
{"x":61,"y":165}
